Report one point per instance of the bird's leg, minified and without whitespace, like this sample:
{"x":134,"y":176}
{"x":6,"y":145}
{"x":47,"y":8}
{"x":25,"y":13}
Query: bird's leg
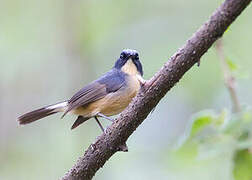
{"x":100,"y":125}
{"x":106,"y":117}
{"x":122,"y":147}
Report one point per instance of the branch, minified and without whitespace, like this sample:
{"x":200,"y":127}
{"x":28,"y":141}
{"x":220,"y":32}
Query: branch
{"x":229,"y":79}
{"x":154,"y":90}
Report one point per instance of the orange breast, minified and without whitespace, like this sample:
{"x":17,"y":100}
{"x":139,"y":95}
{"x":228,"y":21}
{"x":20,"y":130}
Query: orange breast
{"x":113,"y":103}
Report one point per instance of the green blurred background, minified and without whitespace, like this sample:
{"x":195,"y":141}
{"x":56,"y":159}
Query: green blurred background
{"x":50,"y":49}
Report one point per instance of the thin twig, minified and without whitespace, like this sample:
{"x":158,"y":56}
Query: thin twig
{"x":229,"y":79}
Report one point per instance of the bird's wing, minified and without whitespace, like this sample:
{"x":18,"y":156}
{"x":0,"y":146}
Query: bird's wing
{"x":110,"y":82}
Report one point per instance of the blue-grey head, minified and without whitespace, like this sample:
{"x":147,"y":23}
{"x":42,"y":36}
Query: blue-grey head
{"x":129,"y":62}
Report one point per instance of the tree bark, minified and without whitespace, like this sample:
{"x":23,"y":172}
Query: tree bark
{"x":154,"y":90}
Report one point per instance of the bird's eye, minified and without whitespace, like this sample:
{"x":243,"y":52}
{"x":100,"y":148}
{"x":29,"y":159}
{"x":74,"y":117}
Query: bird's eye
{"x":136,"y":56}
{"x":123,"y":55}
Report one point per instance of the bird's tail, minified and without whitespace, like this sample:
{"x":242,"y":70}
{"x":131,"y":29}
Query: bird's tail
{"x":42,"y":112}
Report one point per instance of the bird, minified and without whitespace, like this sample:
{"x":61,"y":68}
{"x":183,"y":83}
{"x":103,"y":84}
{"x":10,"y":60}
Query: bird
{"x":107,"y":96}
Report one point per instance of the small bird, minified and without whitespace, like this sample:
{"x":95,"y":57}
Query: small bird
{"x":107,"y":96}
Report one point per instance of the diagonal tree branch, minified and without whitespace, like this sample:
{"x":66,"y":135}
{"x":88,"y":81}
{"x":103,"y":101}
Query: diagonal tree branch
{"x":154,"y":90}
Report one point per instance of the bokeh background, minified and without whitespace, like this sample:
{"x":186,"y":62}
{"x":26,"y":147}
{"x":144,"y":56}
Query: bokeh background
{"x":50,"y":49}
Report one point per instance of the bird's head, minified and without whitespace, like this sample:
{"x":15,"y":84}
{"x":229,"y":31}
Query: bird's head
{"x":129,"y":62}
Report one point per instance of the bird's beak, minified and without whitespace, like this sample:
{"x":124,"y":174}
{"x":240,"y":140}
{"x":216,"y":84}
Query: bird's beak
{"x":130,"y":57}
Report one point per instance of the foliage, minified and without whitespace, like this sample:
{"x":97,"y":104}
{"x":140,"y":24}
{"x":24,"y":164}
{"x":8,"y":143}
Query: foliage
{"x":243,"y":164}
{"x":212,"y":136}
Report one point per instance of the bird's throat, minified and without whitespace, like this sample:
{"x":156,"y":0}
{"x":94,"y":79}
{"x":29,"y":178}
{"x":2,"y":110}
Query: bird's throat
{"x":130,"y":68}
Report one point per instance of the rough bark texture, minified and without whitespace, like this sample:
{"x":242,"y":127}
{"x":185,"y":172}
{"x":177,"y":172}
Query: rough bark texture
{"x":154,"y":89}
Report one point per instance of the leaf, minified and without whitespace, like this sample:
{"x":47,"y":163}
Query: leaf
{"x":243,"y":165}
{"x":199,"y":123}
{"x":220,"y":120}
